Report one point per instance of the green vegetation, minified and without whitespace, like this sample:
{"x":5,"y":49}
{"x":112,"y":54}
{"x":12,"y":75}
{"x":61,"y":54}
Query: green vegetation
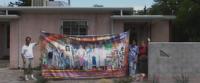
{"x":182,"y":78}
{"x":187,"y":24}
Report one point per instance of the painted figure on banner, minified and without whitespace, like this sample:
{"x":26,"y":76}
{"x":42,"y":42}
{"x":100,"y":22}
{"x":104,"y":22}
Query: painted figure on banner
{"x":94,"y":58}
{"x":56,"y":59}
{"x":49,"y":58}
{"x":86,"y":58}
{"x":89,"y":51}
{"x":102,"y":56}
{"x":69,"y":51}
{"x":121,"y":51}
{"x":133,"y":55}
{"x":115,"y":57}
{"x":68,"y":58}
{"x":62,"y":62}
{"x":81,"y":53}
{"x":76,"y":60}
{"x":108,"y":48}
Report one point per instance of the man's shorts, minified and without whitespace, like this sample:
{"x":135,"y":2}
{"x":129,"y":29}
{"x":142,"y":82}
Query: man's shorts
{"x":28,"y":66}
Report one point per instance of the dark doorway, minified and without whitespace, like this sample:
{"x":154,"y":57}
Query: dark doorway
{"x":132,"y":31}
{"x":4,"y":44}
{"x":139,"y":31}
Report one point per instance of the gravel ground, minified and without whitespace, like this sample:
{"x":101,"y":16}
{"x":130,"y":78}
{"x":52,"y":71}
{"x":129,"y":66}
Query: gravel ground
{"x":12,"y":76}
{"x":16,"y":76}
{"x":9,"y":75}
{"x":4,"y":63}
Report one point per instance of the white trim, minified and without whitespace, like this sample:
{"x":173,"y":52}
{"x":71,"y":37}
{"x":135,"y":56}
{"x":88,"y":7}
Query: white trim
{"x":121,"y":12}
{"x":9,"y":17}
{"x":6,"y":12}
{"x":143,"y":17}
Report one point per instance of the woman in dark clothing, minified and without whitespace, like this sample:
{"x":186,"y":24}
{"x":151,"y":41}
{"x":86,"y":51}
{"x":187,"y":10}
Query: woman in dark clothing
{"x":142,"y":59}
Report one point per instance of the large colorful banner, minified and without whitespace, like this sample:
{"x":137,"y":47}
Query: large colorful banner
{"x":66,"y":57}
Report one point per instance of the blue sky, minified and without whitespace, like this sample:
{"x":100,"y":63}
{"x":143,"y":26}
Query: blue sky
{"x":137,"y":4}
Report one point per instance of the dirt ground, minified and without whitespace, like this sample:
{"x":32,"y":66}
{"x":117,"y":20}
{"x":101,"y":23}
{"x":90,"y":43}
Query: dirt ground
{"x":11,"y":76}
{"x":16,"y":76}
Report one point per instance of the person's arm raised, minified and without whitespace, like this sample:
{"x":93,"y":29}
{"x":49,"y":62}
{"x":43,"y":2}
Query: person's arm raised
{"x":37,"y":43}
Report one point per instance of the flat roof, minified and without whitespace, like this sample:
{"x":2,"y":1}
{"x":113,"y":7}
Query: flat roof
{"x":65,"y":9}
{"x":143,"y":17}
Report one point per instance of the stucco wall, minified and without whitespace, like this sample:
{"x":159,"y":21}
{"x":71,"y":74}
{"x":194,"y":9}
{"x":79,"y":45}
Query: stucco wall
{"x":14,"y":43}
{"x":167,"y":60}
{"x":32,"y":24}
{"x":117,"y":27}
{"x":160,"y":31}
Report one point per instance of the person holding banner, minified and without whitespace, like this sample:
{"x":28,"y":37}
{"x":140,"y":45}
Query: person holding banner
{"x":27,"y":57}
{"x":133,"y":54}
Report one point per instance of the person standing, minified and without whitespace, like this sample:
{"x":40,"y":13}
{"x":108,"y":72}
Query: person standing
{"x":133,"y":54}
{"x":27,"y":57}
{"x":142,"y":62}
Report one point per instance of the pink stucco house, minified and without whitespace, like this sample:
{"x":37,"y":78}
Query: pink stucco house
{"x":18,"y":22}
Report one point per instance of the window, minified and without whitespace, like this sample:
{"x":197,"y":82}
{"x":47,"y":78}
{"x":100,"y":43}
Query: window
{"x":2,"y":12}
{"x":74,"y":27}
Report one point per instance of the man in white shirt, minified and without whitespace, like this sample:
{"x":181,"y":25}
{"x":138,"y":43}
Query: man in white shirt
{"x":27,"y":57}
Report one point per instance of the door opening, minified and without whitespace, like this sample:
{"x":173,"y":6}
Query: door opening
{"x":140,"y":32}
{"x":4,"y":44}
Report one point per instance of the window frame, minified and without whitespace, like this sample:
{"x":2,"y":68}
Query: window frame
{"x":77,"y":20}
